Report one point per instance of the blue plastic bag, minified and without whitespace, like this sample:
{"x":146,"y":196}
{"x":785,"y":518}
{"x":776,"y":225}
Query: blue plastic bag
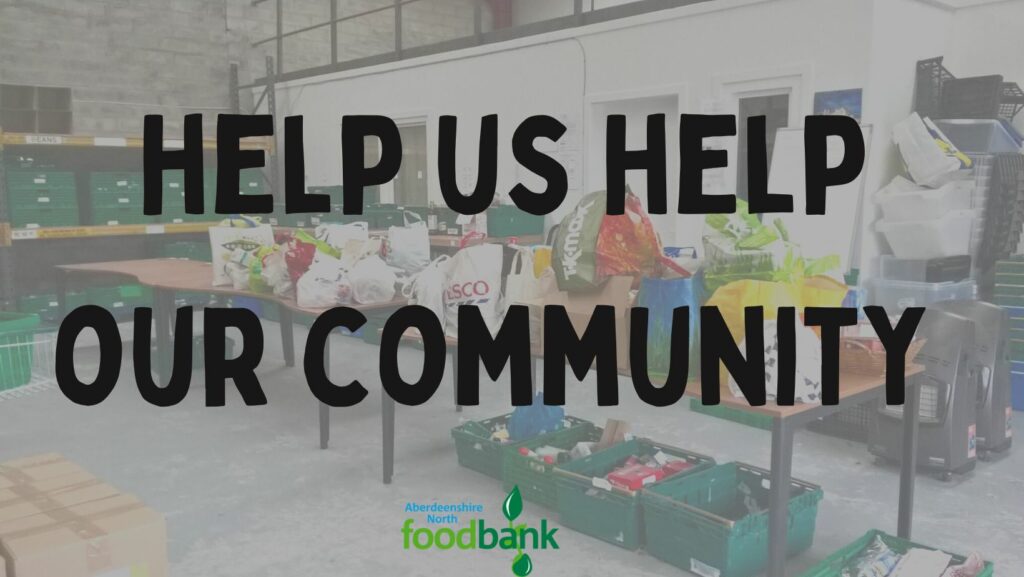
{"x":530,"y":421}
{"x":661,"y":297}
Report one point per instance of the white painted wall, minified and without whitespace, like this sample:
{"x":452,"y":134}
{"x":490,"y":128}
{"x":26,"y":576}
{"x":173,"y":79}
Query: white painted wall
{"x":697,"y":59}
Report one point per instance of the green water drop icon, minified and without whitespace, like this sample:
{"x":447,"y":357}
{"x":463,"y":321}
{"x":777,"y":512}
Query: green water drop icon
{"x":522,"y":565}
{"x":513,"y":504}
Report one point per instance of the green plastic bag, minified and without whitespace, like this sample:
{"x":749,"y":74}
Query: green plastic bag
{"x":574,"y":255}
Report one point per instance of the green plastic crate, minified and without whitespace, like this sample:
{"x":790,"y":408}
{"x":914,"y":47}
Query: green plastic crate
{"x":120,"y":299}
{"x":47,"y":306}
{"x":192,"y":250}
{"x":700,"y":522}
{"x":505,"y":221}
{"x":614,"y":515}
{"x":108,"y":182}
{"x":756,"y":420}
{"x":476,"y":450}
{"x":119,"y":215}
{"x":22,"y":217}
{"x":16,"y":347}
{"x":536,"y":479}
{"x":40,"y":178}
{"x":834,"y":564}
{"x":41,"y":197}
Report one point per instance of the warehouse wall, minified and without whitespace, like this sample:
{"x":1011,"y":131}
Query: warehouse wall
{"x":124,"y":59}
{"x":710,"y":53}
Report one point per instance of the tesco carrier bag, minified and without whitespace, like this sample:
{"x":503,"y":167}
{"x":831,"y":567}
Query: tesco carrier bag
{"x":474,"y":278}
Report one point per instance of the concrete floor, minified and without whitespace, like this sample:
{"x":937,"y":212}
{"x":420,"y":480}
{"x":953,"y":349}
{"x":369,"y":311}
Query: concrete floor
{"x":247,"y":492}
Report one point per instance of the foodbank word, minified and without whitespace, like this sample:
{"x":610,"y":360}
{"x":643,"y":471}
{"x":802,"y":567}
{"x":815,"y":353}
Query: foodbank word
{"x":479,"y":536}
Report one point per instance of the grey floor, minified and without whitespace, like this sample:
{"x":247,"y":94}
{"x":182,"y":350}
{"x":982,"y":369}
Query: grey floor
{"x":246,"y":491}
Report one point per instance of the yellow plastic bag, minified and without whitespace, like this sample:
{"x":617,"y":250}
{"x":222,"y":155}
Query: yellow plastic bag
{"x":733,"y":298}
{"x":541,"y":260}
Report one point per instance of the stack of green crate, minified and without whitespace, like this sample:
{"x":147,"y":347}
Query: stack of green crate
{"x":715,"y":522}
{"x":536,"y":478}
{"x":189,"y":249}
{"x":837,"y":564}
{"x":1009,"y":294}
{"x":46,"y":305}
{"x":174,"y":199}
{"x":612,"y":514}
{"x":16,"y":348}
{"x":117,"y":198}
{"x":120,"y":300}
{"x":42,"y":198}
{"x":478,"y":451}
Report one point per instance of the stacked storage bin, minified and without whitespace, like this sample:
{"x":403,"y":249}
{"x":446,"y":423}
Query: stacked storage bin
{"x":1009,"y":291}
{"x":42,"y":198}
{"x":117,"y":198}
{"x":174,"y":198}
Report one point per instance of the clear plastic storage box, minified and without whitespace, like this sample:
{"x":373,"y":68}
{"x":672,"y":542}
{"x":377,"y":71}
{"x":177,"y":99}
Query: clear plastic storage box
{"x":896,"y":296}
{"x":902,"y":200}
{"x":946,"y":236}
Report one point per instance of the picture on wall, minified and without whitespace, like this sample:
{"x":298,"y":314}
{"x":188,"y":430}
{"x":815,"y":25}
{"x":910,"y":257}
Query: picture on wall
{"x":841,"y":102}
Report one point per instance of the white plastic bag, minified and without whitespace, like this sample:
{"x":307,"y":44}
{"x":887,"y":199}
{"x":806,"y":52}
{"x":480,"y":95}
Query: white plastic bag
{"x":409,"y":245}
{"x":475,"y":279}
{"x":808,"y":364}
{"x":426,"y":288}
{"x":523,"y":284}
{"x":373,"y":281}
{"x":338,"y":235}
{"x":320,"y":286}
{"x":275,"y":273}
{"x":242,"y":233}
{"x":931,"y":158}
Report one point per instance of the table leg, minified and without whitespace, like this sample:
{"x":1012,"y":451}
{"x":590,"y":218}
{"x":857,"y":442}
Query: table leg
{"x":455,"y":378}
{"x":908,"y":467}
{"x":286,"y":319}
{"x":778,"y":505}
{"x":325,"y":410}
{"x":163,"y":303}
{"x":388,"y":425}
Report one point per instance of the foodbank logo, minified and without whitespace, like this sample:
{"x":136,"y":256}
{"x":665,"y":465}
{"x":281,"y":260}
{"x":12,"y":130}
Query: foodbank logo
{"x":477,"y":535}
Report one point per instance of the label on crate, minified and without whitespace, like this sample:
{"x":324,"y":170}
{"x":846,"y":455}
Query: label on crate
{"x":43,"y":199}
{"x":39,"y":180}
{"x":122,"y":183}
{"x":123,"y":200}
{"x":155,"y":229}
{"x":172,"y":185}
{"x":703,"y":569}
{"x":43,"y":139}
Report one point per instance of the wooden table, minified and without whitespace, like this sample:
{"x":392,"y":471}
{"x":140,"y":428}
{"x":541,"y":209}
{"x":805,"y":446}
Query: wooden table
{"x":167,"y":276}
{"x":854,"y":390}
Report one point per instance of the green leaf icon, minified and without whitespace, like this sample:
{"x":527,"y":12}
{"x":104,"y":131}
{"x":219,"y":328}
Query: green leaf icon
{"x":513,"y":504}
{"x":522,"y":566}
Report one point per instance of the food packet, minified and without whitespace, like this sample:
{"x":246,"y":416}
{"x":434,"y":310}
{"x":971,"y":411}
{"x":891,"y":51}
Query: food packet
{"x":876,"y":560}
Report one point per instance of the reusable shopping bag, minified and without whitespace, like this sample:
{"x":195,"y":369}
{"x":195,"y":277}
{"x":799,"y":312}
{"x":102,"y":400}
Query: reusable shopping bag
{"x":627,"y":244}
{"x":426,"y":288}
{"x":661,"y":296}
{"x":240,"y":232}
{"x":574,"y":254}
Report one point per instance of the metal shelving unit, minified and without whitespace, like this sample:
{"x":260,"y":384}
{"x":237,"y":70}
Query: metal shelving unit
{"x":15,"y":242}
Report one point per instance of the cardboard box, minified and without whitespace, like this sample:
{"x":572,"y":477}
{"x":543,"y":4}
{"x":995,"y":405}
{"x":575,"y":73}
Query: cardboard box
{"x":580,"y":308}
{"x":37,"y":497}
{"x":36,"y":468}
{"x":114,"y":536}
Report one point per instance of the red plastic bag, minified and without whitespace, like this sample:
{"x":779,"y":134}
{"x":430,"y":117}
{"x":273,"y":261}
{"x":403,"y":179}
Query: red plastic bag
{"x":627,"y":244}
